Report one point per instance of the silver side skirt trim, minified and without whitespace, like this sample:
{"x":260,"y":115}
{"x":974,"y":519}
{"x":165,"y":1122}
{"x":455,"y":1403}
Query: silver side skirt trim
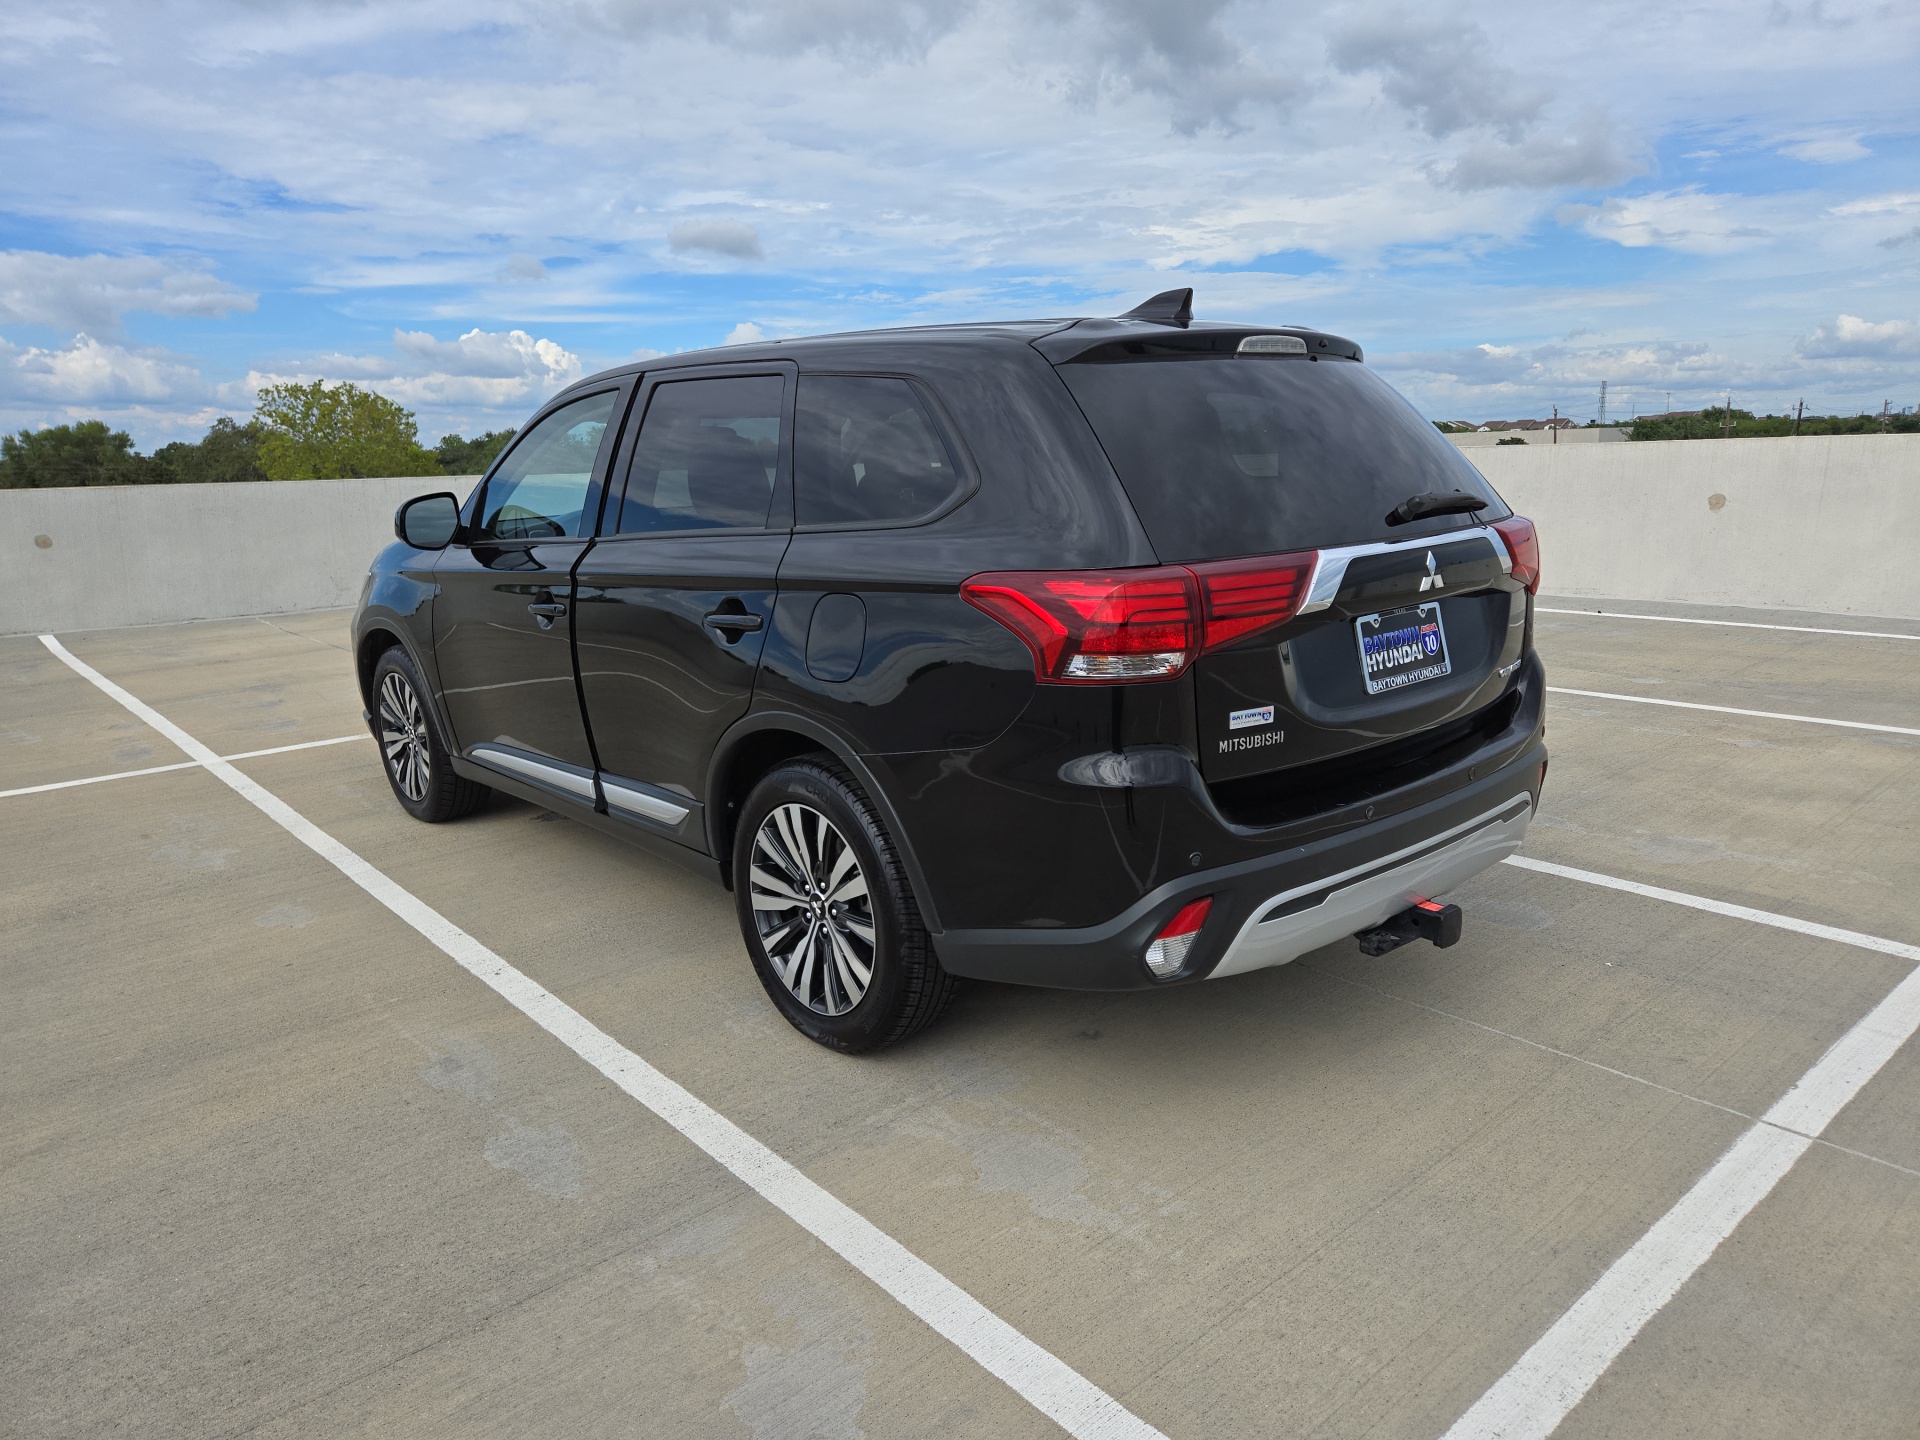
{"x":1330,"y":566}
{"x":639,"y":802}
{"x":1369,"y":894}
{"x":515,"y":763}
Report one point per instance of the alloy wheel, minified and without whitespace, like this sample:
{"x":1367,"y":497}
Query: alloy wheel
{"x":403,"y":737}
{"x":812,"y":909}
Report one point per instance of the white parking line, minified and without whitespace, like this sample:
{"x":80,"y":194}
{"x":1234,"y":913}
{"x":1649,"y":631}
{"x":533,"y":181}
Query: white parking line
{"x":1544,"y":1385}
{"x":1040,"y":1378}
{"x":1721,"y":907}
{"x":1732,"y":624}
{"x":1730,"y":710}
{"x":182,"y":765}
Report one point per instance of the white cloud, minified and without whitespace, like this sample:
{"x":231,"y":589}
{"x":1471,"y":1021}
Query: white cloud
{"x":1827,"y":149}
{"x":1690,"y":220}
{"x":745,"y":333}
{"x":488,"y":369}
{"x":93,"y":292}
{"x":1848,"y":337}
{"x":88,"y":371}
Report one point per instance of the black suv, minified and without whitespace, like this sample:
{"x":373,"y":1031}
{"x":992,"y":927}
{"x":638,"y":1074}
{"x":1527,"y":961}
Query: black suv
{"x":1097,"y":653}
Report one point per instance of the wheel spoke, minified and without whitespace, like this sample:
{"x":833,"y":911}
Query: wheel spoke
{"x":772,"y":885}
{"x":854,"y":887}
{"x":860,"y":925}
{"x":854,"y":973}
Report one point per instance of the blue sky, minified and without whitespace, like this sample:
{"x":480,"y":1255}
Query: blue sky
{"x":466,"y":205}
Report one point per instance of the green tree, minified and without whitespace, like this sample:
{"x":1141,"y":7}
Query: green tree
{"x":228,"y":453}
{"x":324,"y":432}
{"x":61,"y":455}
{"x":470,"y":457}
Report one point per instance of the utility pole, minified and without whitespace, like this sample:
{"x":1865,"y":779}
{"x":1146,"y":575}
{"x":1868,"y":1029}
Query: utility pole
{"x":1726,"y":418}
{"x":1798,"y":411}
{"x":1556,"y":425}
{"x":1883,"y":415}
{"x":1603,"y":403}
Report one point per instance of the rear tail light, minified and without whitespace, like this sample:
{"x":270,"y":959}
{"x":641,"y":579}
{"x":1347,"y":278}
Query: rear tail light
{"x":1097,"y":625}
{"x":1168,"y":952}
{"x":1102,"y":626}
{"x":1523,"y":545}
{"x":1243,"y":597}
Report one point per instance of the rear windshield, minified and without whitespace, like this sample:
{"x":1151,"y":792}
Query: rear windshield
{"x":1242,"y":455}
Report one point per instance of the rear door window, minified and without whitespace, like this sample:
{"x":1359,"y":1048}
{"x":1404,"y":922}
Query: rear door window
{"x":1226,"y":455}
{"x":868,"y":451}
{"x":706,"y":457}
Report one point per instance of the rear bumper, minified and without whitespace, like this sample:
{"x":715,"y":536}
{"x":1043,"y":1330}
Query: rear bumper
{"x":1273,"y":909}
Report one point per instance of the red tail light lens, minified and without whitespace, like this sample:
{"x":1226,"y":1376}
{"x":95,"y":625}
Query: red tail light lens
{"x":1097,"y":625}
{"x":1524,"y":546}
{"x":1239,"y":598}
{"x":1102,"y":626}
{"x":1168,"y":952}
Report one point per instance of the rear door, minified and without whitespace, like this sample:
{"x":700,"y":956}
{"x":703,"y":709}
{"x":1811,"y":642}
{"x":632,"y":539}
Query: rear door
{"x":673,"y":602}
{"x":1408,"y":628}
{"x":502,"y":614}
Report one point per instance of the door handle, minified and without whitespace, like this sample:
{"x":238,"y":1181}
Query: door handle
{"x":547,"y":611}
{"x":735,"y":620}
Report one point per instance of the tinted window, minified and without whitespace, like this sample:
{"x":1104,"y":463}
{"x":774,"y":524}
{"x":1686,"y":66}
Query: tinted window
{"x":706,"y":456}
{"x":1231,"y":455}
{"x":865,"y":449}
{"x":541,"y":489}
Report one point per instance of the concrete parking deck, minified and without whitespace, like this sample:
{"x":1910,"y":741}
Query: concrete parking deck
{"x":275,"y":1165}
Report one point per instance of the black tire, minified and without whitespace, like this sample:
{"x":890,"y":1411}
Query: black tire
{"x":906,"y":988}
{"x":413,"y":753}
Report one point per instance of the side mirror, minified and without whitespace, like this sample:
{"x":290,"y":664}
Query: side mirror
{"x":428,"y":522}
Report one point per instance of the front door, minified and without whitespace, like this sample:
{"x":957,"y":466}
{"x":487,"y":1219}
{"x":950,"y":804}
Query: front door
{"x":673,"y":602}
{"x":502,"y":617}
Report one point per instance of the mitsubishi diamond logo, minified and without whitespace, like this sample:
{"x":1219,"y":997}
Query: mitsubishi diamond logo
{"x":1432,"y":580}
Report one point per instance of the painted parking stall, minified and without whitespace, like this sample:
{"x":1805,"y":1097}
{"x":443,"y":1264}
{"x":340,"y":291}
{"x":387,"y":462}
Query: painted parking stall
{"x":1654,"y":1042}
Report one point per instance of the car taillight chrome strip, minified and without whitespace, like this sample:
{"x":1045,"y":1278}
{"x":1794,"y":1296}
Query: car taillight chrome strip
{"x":1330,"y":570}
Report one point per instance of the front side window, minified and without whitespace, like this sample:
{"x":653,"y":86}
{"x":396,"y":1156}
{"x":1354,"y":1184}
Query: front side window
{"x":541,"y":489}
{"x":706,"y":457}
{"x":866,"y":450}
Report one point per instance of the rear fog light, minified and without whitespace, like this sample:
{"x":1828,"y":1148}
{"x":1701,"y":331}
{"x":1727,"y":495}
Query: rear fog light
{"x":1168,"y":952}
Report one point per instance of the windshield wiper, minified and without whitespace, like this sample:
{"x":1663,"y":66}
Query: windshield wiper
{"x":1450,"y":502}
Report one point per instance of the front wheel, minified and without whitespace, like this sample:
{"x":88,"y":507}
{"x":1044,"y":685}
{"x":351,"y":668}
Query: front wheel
{"x":827,"y":913}
{"x":411,"y":750}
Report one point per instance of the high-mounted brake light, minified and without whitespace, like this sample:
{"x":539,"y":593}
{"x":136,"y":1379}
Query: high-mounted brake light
{"x":1523,"y":545}
{"x":1107,"y":626}
{"x":1168,"y":952}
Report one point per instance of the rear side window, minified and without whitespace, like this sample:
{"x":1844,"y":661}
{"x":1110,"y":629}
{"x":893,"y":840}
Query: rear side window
{"x":540,"y":491}
{"x":1226,"y":455}
{"x":706,"y":457}
{"x":866,"y":450}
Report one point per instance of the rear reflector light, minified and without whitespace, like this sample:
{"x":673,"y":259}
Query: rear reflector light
{"x":1524,"y":546}
{"x":1168,"y":952}
{"x":1102,"y":626}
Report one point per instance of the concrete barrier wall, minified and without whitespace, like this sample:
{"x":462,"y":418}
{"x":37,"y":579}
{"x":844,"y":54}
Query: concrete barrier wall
{"x":1819,"y":522}
{"x":143,"y":554}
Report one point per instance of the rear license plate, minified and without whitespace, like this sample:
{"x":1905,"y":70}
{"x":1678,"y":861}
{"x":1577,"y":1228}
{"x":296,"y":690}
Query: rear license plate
{"x":1402,"y":648}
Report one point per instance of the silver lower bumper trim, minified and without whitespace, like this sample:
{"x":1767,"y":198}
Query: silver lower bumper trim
{"x":1309,"y":916}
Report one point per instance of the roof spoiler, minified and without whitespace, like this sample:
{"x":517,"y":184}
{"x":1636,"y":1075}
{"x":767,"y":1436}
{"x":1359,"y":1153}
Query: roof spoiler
{"x":1169,"y":307}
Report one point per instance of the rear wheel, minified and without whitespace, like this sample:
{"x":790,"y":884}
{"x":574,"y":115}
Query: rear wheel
{"x":827,"y":913}
{"x":411,"y":749}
